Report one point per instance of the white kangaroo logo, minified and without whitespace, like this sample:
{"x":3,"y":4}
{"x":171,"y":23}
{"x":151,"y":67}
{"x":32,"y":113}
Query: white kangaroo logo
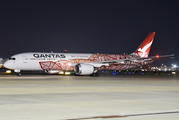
{"x":143,"y":50}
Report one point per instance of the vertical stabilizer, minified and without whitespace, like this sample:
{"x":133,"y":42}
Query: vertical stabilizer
{"x":144,"y":49}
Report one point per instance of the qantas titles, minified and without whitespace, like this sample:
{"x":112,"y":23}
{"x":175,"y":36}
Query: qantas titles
{"x":48,"y":56}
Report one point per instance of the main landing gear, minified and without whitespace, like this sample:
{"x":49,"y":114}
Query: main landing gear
{"x":95,"y":75}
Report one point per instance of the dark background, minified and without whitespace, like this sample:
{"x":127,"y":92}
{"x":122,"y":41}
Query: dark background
{"x":89,"y":26}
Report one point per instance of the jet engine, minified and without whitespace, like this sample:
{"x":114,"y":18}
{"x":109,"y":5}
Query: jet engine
{"x":83,"y":69}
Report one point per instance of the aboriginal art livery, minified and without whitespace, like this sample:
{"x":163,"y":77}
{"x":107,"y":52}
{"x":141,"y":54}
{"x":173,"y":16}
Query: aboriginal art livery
{"x":83,"y":64}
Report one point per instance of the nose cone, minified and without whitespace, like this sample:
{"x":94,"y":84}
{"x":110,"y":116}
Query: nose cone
{"x":6,"y":64}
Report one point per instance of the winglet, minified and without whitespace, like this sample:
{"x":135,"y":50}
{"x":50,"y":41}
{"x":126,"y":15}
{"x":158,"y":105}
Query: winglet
{"x":144,"y":49}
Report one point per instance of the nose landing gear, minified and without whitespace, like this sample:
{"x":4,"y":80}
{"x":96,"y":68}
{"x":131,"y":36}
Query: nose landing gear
{"x":17,"y":72}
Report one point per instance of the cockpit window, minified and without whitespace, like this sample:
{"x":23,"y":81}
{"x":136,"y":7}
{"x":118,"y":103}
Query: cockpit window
{"x":12,"y":58}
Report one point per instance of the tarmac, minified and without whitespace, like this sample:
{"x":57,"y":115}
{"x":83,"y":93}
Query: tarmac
{"x":120,"y":97}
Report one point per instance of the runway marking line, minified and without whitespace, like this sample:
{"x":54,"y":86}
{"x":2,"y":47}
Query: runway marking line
{"x":120,"y":116}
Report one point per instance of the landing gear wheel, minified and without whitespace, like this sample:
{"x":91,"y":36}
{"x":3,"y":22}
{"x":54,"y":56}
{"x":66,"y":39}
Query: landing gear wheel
{"x":77,"y":74}
{"x":18,"y":74}
{"x":95,"y":75}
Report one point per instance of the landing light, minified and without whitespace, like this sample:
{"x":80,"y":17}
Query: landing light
{"x":61,"y":72}
{"x":67,"y":73}
{"x":8,"y":71}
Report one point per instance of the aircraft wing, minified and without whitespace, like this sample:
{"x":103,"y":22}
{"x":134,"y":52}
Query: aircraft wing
{"x":107,"y":63}
{"x":157,"y":57}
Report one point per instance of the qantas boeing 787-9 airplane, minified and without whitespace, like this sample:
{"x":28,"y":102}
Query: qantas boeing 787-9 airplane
{"x":83,"y":64}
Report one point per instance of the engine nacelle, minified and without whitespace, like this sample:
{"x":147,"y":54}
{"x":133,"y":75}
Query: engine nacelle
{"x":83,"y":69}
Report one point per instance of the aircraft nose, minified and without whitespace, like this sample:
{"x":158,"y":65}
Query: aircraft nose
{"x":6,"y":64}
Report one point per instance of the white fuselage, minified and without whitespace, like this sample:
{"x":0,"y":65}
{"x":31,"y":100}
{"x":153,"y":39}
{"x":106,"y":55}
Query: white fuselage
{"x":67,"y":61}
{"x":82,"y":64}
{"x":31,"y":61}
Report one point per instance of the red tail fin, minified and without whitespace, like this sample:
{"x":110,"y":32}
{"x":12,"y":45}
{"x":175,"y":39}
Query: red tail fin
{"x":144,"y":49}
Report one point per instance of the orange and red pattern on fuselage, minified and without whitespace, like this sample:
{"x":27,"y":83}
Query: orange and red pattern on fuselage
{"x":66,"y":64}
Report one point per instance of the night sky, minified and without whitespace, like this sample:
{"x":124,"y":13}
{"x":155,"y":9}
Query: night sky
{"x":89,"y":26}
